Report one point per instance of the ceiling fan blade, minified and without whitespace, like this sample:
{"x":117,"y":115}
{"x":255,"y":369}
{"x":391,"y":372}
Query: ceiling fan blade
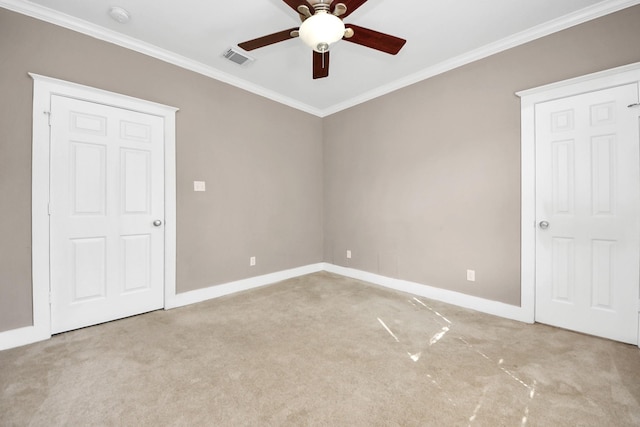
{"x":352,"y":5}
{"x":293,"y":4}
{"x":320,"y":65}
{"x":267,"y":40}
{"x":375,"y":40}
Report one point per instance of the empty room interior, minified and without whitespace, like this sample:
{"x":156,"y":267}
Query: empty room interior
{"x":206,"y":222}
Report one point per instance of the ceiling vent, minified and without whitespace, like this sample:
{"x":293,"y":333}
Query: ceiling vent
{"x":237,"y":57}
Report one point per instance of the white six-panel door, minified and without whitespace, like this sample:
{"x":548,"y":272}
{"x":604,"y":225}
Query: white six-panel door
{"x":587,"y":205}
{"x":107,"y":174}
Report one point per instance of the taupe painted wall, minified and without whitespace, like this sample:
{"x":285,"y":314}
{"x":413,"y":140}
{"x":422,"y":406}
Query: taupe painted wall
{"x":261,"y":162}
{"x":420,"y":184}
{"x":424,"y":183}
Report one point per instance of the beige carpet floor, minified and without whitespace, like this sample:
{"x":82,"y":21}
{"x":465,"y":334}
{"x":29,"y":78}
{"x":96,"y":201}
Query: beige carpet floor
{"x":320,"y":350}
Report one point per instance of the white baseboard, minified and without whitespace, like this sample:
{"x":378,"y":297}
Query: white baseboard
{"x":450,"y":297}
{"x":22,"y":336}
{"x":30,"y":334}
{"x":216,"y":291}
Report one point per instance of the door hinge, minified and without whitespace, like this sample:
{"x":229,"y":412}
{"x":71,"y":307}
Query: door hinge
{"x":49,"y":209}
{"x":48,"y":113}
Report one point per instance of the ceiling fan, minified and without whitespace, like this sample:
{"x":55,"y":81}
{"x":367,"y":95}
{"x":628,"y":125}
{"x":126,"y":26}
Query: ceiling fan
{"x":322,"y":26}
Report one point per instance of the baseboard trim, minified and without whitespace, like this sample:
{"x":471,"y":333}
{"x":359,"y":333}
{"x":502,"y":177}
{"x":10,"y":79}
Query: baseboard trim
{"x":22,"y":336}
{"x":216,"y":291}
{"x":495,"y":308}
{"x":30,"y":334}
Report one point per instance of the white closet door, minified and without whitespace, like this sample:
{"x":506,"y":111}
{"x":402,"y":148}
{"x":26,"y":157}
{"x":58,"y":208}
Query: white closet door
{"x":587,"y":212}
{"x":107,"y":189}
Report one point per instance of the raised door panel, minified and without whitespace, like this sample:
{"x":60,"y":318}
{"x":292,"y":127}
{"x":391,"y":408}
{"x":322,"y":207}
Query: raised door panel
{"x":135,"y":166}
{"x":603,"y":173}
{"x":136,"y":263}
{"x":88,"y":271}
{"x":87,"y":179}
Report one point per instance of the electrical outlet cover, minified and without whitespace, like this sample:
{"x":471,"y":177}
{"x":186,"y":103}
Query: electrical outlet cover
{"x":471,"y":275}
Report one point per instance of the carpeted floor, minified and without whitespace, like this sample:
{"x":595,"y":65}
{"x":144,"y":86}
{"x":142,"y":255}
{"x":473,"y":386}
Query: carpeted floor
{"x":320,"y":350}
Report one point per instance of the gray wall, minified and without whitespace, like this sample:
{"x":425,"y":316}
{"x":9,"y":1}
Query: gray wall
{"x":261,"y":162}
{"x":420,"y":184}
{"x":424,"y":183}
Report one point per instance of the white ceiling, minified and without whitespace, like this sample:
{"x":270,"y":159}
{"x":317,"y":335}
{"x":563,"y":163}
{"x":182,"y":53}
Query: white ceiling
{"x":440,"y":34}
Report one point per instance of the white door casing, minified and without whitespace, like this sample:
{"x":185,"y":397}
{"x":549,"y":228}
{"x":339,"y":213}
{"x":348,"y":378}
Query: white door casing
{"x":106,"y":180}
{"x":529,"y":99}
{"x":44,"y":89}
{"x":587,"y":209}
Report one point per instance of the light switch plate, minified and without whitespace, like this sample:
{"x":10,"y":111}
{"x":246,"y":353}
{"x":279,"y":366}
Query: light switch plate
{"x":199,"y":186}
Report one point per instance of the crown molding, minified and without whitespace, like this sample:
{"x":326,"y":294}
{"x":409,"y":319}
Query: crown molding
{"x":75,"y":24}
{"x":542,"y":30}
{"x":63,"y":20}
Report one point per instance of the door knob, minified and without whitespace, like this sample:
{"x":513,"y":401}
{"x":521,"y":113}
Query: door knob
{"x":157,"y":223}
{"x":544,"y":225}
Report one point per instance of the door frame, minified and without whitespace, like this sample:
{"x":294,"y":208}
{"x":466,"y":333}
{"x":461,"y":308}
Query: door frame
{"x":529,"y":98}
{"x":43,"y":88}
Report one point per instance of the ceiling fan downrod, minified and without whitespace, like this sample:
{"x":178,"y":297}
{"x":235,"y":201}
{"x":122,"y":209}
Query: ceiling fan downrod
{"x":319,"y":5}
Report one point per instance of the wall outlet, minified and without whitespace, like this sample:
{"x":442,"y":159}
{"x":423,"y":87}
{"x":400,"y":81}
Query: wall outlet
{"x":199,"y":186}
{"x":252,"y":261}
{"x":348,"y":254}
{"x":471,"y":275}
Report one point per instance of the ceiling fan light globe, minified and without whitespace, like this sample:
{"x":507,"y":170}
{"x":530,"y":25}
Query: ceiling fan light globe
{"x":321,"y":30}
